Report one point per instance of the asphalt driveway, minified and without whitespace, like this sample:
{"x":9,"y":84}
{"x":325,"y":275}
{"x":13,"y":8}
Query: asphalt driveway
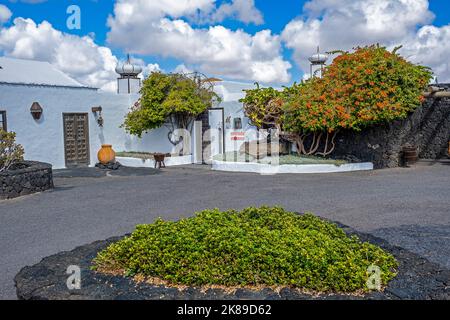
{"x":407,"y":207}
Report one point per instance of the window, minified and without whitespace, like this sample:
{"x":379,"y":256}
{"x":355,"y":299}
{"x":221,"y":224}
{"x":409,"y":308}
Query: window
{"x":237,"y":123}
{"x":3,"y":120}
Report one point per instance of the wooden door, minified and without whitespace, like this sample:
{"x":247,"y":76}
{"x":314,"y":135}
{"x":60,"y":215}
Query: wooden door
{"x":76,"y":139}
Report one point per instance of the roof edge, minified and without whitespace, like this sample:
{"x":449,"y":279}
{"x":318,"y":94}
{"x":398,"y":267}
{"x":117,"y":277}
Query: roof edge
{"x":46,"y":85}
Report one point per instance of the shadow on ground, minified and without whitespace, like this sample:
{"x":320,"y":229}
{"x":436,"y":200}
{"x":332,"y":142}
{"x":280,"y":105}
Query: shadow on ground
{"x":85,"y":172}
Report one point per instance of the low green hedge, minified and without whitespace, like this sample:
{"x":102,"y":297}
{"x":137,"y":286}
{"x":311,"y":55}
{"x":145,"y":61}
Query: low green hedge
{"x":253,"y":247}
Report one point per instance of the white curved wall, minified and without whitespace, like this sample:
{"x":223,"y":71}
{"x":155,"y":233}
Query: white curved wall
{"x":289,"y":168}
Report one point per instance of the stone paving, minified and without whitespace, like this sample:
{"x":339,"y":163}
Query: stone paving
{"x":408,"y":207}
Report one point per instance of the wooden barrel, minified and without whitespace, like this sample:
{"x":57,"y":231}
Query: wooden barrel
{"x":410,"y":155}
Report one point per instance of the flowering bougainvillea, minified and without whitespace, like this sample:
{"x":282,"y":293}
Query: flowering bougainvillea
{"x":366,"y":87}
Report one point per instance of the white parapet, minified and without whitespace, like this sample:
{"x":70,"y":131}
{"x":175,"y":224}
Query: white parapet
{"x":268,"y":169}
{"x":150,"y":163}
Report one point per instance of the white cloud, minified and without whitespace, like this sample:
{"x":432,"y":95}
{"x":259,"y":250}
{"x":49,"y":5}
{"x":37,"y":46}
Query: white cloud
{"x":215,"y":50}
{"x":242,"y":10}
{"x":344,"y":24}
{"x":163,"y":27}
{"x":146,"y":12}
{"x":79,"y":57}
{"x":181,"y":68}
{"x":430,"y":46}
{"x":149,"y":68}
{"x":5,"y":14}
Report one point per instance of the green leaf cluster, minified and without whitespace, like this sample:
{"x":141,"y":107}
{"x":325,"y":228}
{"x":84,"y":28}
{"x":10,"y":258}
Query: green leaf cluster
{"x":259,"y":106}
{"x":266,"y":246}
{"x":10,"y":151}
{"x":167,"y":96}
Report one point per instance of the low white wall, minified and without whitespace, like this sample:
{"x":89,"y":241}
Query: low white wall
{"x":288,"y":168}
{"x":150,"y":163}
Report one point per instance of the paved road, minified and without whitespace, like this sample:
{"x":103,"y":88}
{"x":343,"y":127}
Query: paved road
{"x":408,"y":207}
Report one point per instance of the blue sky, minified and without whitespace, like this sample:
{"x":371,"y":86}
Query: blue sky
{"x":277,"y":14}
{"x":95,"y":14}
{"x":291,"y":40}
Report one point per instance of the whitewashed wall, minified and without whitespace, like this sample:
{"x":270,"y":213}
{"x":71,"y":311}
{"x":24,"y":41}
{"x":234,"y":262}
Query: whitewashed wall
{"x":43,"y":139}
{"x":231,"y":92}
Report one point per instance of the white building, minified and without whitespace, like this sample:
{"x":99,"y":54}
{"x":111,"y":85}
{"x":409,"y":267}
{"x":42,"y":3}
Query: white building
{"x":56,"y":118}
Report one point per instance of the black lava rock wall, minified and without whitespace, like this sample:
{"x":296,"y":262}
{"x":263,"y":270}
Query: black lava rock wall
{"x":29,"y":177}
{"x":428,"y":129}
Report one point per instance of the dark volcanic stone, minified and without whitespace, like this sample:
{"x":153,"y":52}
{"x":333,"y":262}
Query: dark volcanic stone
{"x":24,"y":178}
{"x":109,"y":166}
{"x":427,"y":128}
{"x":417,"y":279}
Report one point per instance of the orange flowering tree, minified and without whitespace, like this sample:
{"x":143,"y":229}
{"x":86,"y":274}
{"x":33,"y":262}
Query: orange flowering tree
{"x":366,"y":87}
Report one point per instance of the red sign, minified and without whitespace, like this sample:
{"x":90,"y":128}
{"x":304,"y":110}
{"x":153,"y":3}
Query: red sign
{"x":238,"y":136}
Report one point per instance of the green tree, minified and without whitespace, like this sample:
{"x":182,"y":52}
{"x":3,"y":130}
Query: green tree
{"x":172,"y":100}
{"x":263,"y":106}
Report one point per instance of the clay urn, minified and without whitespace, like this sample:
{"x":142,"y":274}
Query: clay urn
{"x":106,"y":154}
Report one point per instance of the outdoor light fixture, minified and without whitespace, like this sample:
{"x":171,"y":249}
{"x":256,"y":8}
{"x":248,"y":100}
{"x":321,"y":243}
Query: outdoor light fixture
{"x":36,"y":110}
{"x":228,"y":122}
{"x":98,"y":110}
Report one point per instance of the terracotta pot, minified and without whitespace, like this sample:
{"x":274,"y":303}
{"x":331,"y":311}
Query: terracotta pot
{"x":410,"y":155}
{"x":106,"y":154}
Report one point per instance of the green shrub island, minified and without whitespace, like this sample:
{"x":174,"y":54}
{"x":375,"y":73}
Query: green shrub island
{"x":254,"y":247}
